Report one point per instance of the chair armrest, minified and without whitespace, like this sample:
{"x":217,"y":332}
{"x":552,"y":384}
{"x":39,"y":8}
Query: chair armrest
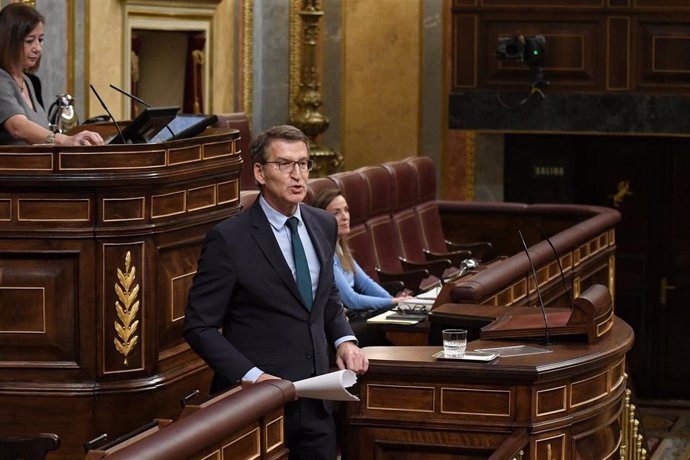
{"x":411,"y":279}
{"x":434,"y":267}
{"x":482,"y":250}
{"x":393,"y":287}
{"x":455,"y":257}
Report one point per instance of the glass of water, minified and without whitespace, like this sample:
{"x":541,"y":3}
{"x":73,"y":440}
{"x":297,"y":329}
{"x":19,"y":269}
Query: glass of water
{"x":454,"y":343}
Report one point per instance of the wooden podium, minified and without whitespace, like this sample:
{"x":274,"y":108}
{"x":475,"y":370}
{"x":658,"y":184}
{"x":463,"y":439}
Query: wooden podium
{"x":98,"y":248}
{"x":592,"y":317}
{"x":564,"y":403}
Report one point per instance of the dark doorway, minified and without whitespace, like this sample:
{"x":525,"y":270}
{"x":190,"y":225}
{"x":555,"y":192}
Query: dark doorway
{"x":646,"y":179}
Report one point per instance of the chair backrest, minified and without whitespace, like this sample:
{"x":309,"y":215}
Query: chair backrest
{"x":356,"y":192}
{"x":247,"y":198}
{"x":34,"y":447}
{"x":379,"y":223}
{"x":405,"y":195}
{"x":239,"y":121}
{"x":428,"y":215}
{"x":316,"y":185}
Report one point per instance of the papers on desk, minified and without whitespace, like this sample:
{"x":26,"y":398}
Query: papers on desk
{"x":398,"y":319}
{"x":430,"y":294}
{"x":409,"y":311}
{"x":416,"y":301}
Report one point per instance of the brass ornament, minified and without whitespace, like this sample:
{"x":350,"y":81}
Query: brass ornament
{"x":622,"y":190}
{"x":307,"y":115}
{"x":126,"y":307}
{"x":247,"y":57}
{"x":199,"y":62}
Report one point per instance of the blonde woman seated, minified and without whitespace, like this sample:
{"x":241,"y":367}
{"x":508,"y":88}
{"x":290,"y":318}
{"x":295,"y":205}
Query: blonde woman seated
{"x":360,"y":294}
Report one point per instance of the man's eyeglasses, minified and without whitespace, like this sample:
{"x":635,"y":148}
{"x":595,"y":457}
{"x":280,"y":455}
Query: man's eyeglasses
{"x":408,"y":309}
{"x":286,"y":167}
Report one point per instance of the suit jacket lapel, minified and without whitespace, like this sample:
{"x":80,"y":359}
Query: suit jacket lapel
{"x":265,"y":239}
{"x":318,"y":239}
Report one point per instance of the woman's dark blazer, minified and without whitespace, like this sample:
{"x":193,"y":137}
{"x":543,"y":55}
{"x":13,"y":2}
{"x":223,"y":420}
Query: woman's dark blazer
{"x":245,"y":310}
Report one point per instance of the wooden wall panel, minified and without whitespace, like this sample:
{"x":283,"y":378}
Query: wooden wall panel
{"x":37,"y":308}
{"x":545,"y":3}
{"x":592,"y":46}
{"x":662,"y":4}
{"x":618,"y":54}
{"x":664,"y":55}
{"x":465,"y":51}
{"x":178,"y":267}
{"x":572,"y":52}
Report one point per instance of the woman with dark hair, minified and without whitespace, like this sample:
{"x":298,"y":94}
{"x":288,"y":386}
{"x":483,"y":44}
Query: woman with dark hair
{"x":360,"y":294}
{"x":22,"y":119}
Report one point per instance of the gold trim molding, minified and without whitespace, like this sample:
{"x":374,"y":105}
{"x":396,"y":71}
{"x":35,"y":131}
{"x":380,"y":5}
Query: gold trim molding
{"x":247,"y":58}
{"x":295,"y":56}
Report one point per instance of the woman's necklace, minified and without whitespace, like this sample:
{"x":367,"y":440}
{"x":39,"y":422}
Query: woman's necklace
{"x":21,"y":83}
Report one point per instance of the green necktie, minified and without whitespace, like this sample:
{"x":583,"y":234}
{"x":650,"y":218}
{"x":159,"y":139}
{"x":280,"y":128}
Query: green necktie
{"x":301,"y":265}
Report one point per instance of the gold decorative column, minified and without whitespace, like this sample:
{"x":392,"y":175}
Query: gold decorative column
{"x":307,"y":115}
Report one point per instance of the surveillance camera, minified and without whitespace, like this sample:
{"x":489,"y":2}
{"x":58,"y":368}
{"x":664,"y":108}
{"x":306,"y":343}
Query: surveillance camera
{"x":510,"y":47}
{"x":535,"y":50}
{"x":529,"y":49}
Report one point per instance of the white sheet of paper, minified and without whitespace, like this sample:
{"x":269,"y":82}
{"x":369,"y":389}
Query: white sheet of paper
{"x":412,"y":301}
{"x":430,"y":294}
{"x":329,"y":386}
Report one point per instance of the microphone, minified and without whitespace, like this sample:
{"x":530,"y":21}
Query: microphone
{"x":131,"y":96}
{"x":547,"y":335}
{"x":119,"y":131}
{"x":560,"y":267}
{"x":140,"y":101}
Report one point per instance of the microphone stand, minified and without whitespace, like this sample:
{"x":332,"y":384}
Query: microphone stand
{"x":560,"y":267}
{"x":547,"y":335}
{"x":142,"y":102}
{"x":119,"y":131}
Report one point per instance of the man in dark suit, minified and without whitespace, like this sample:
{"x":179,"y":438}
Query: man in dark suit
{"x":248,"y":284}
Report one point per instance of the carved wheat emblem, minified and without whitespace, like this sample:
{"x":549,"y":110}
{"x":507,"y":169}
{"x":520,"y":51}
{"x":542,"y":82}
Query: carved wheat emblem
{"x":127,"y":307}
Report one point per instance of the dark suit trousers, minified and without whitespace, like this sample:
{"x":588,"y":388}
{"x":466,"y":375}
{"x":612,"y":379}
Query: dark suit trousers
{"x":309,"y":430}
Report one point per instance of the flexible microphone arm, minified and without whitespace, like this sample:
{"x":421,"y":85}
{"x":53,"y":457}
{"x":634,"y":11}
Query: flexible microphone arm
{"x":131,"y":96}
{"x":119,"y":131}
{"x":560,"y":267}
{"x":547,"y":335}
{"x":140,"y":101}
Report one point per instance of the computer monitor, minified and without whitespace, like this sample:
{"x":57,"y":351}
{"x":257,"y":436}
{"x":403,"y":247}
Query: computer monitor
{"x":184,"y":126}
{"x":146,"y":125}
